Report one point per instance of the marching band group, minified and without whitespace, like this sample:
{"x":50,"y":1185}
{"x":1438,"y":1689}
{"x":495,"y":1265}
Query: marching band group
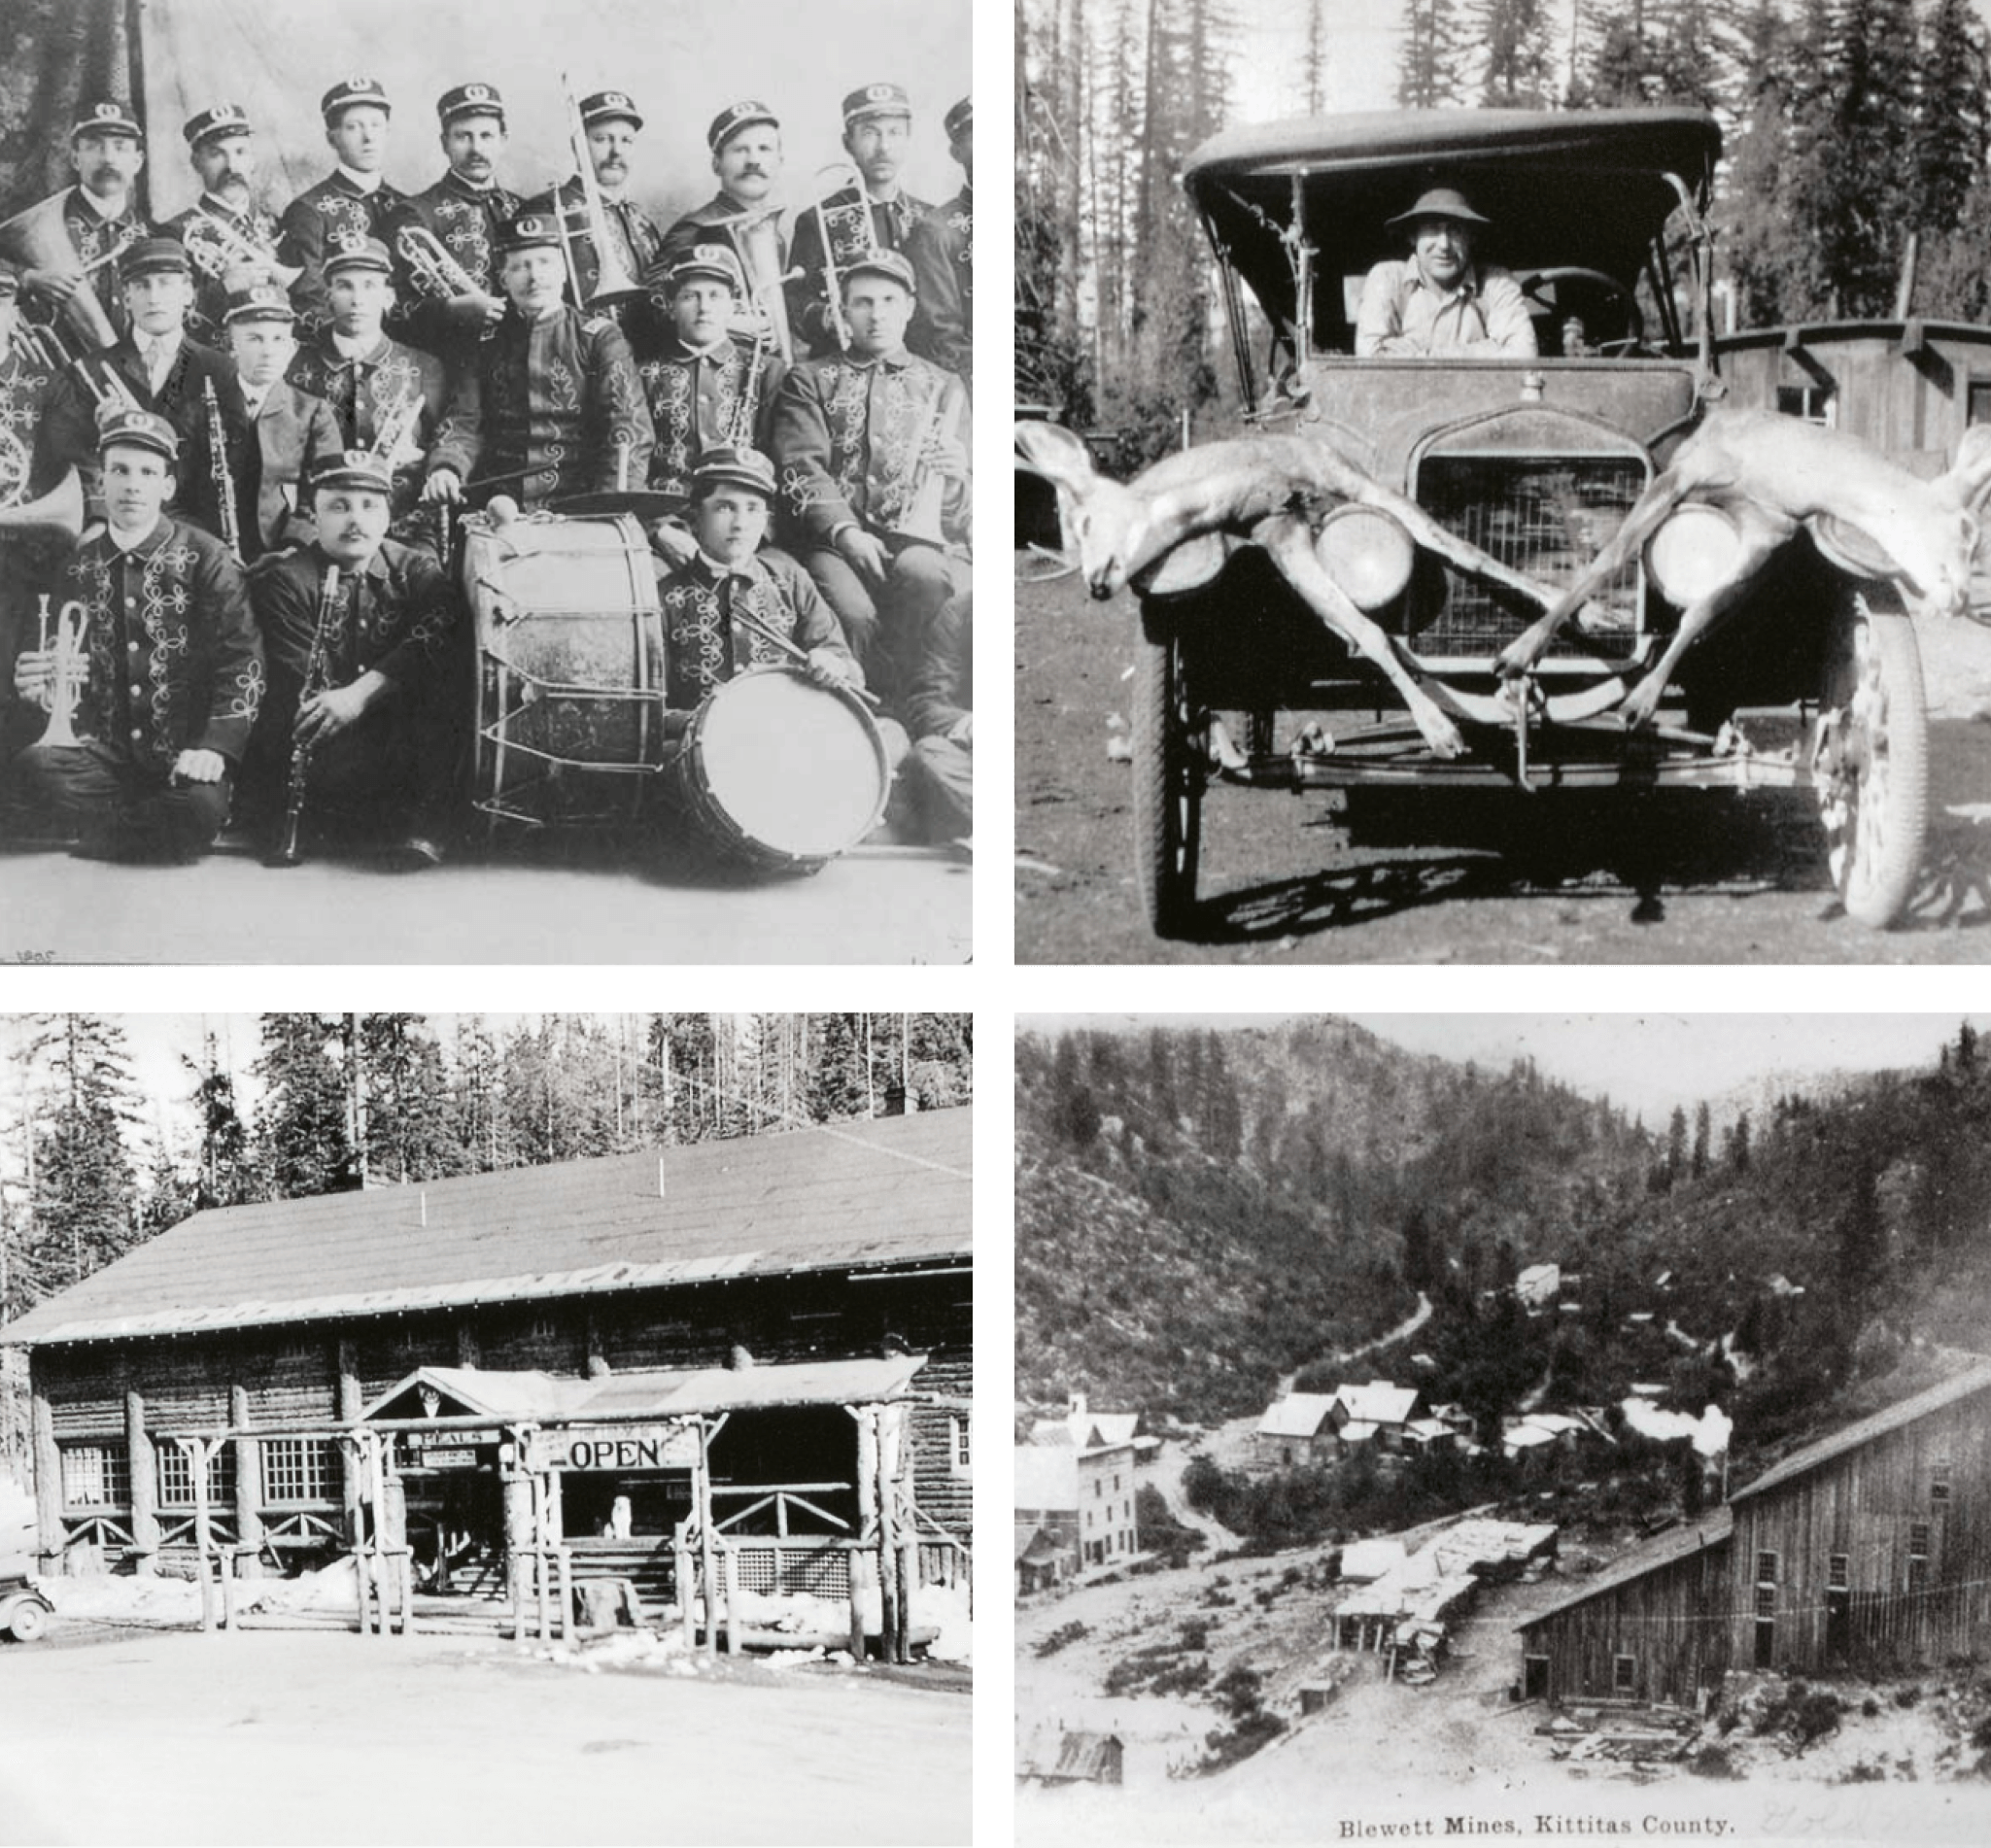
{"x":239,"y":451}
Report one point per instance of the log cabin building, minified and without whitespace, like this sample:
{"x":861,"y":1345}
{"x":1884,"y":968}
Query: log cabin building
{"x":744,"y":1362}
{"x":1869,"y":1550}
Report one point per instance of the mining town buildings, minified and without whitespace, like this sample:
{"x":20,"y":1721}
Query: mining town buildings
{"x":747,"y":1357}
{"x":1083,"y":1500}
{"x":1869,"y":1550}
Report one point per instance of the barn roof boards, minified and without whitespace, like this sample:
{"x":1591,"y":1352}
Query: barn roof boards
{"x":843,"y":1196}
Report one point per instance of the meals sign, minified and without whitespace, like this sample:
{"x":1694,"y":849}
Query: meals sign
{"x":619,"y":1446}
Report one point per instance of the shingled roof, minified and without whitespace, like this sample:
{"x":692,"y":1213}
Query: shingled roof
{"x":1711,"y":1529}
{"x":859,"y":1195}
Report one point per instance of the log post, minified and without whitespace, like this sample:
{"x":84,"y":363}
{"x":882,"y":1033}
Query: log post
{"x":145,"y":1487}
{"x":195,"y":1450}
{"x":377,"y":1486}
{"x":49,"y":1541}
{"x":566,"y":1562}
{"x":517,"y":1524}
{"x":396,"y":1559}
{"x":867,"y":1518}
{"x":686,"y":1571}
{"x":350,"y":1460}
{"x":247,"y":1489}
{"x":860,"y":1569}
{"x":709,"y":1576}
{"x":731,"y":1600}
{"x":888,"y":1573}
{"x":469,"y":1351}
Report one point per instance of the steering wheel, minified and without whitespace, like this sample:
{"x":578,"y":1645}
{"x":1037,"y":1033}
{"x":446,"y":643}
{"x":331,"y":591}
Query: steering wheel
{"x":1608,"y":310}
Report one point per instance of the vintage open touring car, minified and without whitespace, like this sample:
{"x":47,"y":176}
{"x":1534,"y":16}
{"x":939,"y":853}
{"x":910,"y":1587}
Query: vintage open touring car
{"x":1813,"y":681}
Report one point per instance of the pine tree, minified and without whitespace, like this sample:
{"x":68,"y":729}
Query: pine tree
{"x":226,"y":1174}
{"x":1520,"y":70}
{"x":409,"y":1134}
{"x":1314,"y":59}
{"x":1430,"y":65}
{"x":1702,"y":1130}
{"x":304,"y":1123}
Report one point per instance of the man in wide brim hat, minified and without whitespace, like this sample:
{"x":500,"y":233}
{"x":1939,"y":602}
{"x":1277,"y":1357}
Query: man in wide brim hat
{"x":1440,"y":302}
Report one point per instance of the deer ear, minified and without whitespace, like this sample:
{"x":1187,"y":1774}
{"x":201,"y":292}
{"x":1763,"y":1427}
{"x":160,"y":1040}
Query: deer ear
{"x":1056,"y":452}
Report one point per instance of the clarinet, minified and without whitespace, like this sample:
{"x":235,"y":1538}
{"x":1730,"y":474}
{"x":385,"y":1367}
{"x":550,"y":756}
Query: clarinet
{"x":316,"y":672}
{"x":217,"y":466}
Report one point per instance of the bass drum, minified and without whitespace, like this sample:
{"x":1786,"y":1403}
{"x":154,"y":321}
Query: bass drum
{"x":780,"y":774}
{"x":569,"y":669}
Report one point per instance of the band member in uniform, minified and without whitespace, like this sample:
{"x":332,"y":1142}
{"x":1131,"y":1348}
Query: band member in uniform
{"x":381,"y":730}
{"x":723,"y":607}
{"x":29,"y":469}
{"x":465,"y":213}
{"x":223,"y":230}
{"x":553,"y":406}
{"x":610,"y":125}
{"x":873,"y":449}
{"x":275,"y":431}
{"x":877,"y":127}
{"x":374,"y":383}
{"x":705,"y":388}
{"x":746,"y":141}
{"x":156,"y":367}
{"x":353,"y":200}
{"x":94,"y":219}
{"x":941,"y":248}
{"x":939,"y":714}
{"x":170,"y":672}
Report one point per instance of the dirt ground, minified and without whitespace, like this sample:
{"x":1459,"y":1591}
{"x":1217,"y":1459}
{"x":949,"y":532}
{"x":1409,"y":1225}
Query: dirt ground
{"x":1303,"y":880}
{"x":877,"y":905}
{"x":1385,"y":1759}
{"x":264,"y":1738}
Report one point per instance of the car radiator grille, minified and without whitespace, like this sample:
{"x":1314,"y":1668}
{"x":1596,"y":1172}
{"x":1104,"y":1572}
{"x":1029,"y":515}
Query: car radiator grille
{"x":1545,"y":516}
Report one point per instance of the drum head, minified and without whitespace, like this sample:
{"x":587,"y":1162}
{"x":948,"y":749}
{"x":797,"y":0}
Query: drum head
{"x":795,"y":767}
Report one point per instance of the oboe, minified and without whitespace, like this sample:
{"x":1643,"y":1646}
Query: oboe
{"x":316,"y":672}
{"x":217,"y":466}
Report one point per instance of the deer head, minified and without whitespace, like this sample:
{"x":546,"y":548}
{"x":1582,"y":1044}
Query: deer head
{"x":1113,"y":526}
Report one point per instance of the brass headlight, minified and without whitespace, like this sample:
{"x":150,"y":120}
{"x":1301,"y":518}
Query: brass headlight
{"x":1368,"y":554}
{"x":1693,"y":554}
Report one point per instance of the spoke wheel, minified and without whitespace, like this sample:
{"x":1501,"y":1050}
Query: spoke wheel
{"x":1168,"y":789}
{"x":1871,"y":755}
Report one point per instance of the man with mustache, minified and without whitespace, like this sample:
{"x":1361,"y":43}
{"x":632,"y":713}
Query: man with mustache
{"x":746,"y":141}
{"x":941,"y":248}
{"x":878,"y":131}
{"x":610,"y":124}
{"x":553,"y":406}
{"x":172,"y":671}
{"x":220,"y":145}
{"x":353,"y":200}
{"x":465,"y":212}
{"x":97,"y":218}
{"x":382,"y":735}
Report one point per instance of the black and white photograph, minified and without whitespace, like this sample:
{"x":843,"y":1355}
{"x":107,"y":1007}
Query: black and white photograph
{"x":485,"y":483}
{"x":486,"y":1427}
{"x":1545,"y":442}
{"x":1471,"y":1424}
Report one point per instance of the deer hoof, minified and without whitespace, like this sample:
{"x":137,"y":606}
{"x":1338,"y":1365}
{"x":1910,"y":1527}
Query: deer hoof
{"x":1440,"y":733}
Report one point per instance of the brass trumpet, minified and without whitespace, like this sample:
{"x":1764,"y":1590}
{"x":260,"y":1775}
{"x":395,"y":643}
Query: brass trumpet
{"x":435,"y":271}
{"x":923,"y":487}
{"x":216,"y":248}
{"x":69,"y":672}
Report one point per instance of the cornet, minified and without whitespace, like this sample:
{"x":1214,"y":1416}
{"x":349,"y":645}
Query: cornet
{"x":923,"y":487}
{"x":216,"y":248}
{"x":435,"y":271}
{"x":68,"y":673}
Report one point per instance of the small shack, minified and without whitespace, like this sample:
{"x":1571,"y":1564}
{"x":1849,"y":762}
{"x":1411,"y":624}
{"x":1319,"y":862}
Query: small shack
{"x":1055,"y":1756}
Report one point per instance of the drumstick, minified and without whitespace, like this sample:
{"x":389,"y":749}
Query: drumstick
{"x":800,"y":653}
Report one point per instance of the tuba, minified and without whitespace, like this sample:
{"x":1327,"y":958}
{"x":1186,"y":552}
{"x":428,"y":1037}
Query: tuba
{"x":38,"y":239}
{"x":847,"y":227}
{"x":612,"y":280}
{"x":71,"y":670}
{"x":759,"y":245}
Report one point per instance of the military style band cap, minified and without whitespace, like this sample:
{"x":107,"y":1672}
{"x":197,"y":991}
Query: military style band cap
{"x":610,"y":105}
{"x":357,"y":468}
{"x":260,"y":300}
{"x":877,"y":99}
{"x":148,"y":255}
{"x":960,"y":118}
{"x":356,"y":251}
{"x":106,"y":118}
{"x":1440,"y":202}
{"x":350,"y":93}
{"x":744,"y":467}
{"x":223,"y":119}
{"x":10,"y":277}
{"x":469,"y":99}
{"x":146,"y":429}
{"x":707,"y":260}
{"x":735,"y":117}
{"x":531,"y":231}
{"x":883,"y":263}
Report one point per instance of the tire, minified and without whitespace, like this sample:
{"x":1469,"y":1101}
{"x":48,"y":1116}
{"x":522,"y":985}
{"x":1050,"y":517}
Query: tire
{"x":27,"y":1621}
{"x":1168,"y":790}
{"x":1871,"y":757}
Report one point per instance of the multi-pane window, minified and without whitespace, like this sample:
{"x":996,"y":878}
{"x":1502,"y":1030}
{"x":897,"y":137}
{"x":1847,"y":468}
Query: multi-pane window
{"x":1918,"y":1555}
{"x":96,"y":1476}
{"x":299,"y":1469}
{"x":176,"y":1476}
{"x":959,"y":1430}
{"x":1815,"y":404}
{"x":1766,"y":1568}
{"x":1939,"y":1484}
{"x":1766,"y":1600}
{"x":1838,"y":1572}
{"x":1624,"y":1673}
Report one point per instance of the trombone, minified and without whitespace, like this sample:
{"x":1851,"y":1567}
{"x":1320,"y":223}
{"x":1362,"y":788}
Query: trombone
{"x":860,"y":239}
{"x":612,"y":280}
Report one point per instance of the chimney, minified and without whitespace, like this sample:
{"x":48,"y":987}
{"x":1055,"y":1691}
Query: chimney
{"x":739,"y":1359}
{"x":1078,"y":1405}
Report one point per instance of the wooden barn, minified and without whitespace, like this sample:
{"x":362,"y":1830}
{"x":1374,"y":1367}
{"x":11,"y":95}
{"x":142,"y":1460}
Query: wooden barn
{"x":732,"y":1366}
{"x":1869,"y":1550}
